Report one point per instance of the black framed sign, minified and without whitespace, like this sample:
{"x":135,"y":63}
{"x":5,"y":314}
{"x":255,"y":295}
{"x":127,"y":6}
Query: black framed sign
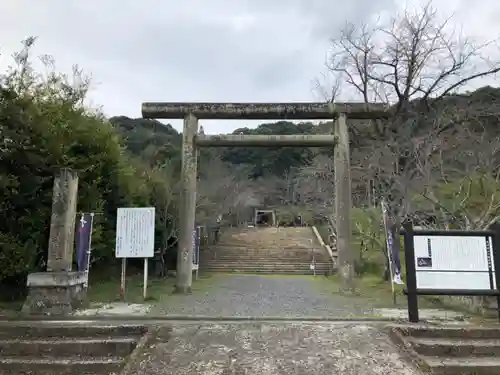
{"x":450,"y":263}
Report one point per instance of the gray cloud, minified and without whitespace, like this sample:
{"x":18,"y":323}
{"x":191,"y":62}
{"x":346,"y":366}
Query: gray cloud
{"x":217,"y":50}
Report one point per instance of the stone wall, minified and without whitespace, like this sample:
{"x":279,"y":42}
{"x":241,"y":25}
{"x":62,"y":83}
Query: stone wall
{"x":55,"y":293}
{"x":54,"y":301}
{"x":477,"y":305}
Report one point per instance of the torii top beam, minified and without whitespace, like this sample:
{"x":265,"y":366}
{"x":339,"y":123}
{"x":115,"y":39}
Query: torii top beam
{"x":263,"y":111}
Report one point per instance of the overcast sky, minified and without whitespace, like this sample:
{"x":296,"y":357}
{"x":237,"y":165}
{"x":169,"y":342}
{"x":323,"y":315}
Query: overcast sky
{"x":201,"y":50}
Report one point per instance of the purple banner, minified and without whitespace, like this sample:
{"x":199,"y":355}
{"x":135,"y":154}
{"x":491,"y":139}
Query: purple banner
{"x":196,"y":245}
{"x":83,"y":240}
{"x":392,"y":250}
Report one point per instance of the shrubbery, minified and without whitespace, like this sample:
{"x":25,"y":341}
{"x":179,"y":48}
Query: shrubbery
{"x":44,"y":126}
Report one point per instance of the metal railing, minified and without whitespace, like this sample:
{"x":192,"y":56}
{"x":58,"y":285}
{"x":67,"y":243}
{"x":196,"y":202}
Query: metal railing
{"x":313,"y":258}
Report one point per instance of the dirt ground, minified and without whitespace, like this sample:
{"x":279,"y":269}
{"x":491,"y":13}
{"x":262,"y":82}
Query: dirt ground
{"x":269,"y":349}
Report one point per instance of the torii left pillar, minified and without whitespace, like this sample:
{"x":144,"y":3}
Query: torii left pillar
{"x":187,"y":206}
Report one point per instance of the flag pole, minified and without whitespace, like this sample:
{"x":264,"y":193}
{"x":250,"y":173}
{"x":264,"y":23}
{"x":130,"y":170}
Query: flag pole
{"x":389,"y":250}
{"x":89,"y":251}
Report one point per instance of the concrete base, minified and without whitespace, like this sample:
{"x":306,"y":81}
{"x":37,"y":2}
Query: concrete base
{"x":182,"y":289}
{"x":115,"y":309}
{"x":55,"y":293}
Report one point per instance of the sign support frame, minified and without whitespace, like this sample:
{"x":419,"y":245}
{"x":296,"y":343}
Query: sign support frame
{"x":141,"y":227}
{"x":413,"y":291}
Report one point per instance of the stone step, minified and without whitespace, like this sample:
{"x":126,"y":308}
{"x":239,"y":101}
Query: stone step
{"x":473,"y":332}
{"x":9,"y":330}
{"x":269,"y":239}
{"x":68,"y":347}
{"x":270,"y":233}
{"x":266,"y":271}
{"x":463,"y":366}
{"x":259,"y":267}
{"x":437,"y":347}
{"x":267,"y":230}
{"x":264,"y":259}
{"x":273,"y":257}
{"x":255,"y":247}
{"x":276,"y":234}
{"x":271,"y":236}
{"x":56,"y":366}
{"x":270,"y":260}
{"x":281,"y":261}
{"x":262,"y":251}
{"x":267,"y":246}
{"x":255,"y":257}
{"x":263,"y":263}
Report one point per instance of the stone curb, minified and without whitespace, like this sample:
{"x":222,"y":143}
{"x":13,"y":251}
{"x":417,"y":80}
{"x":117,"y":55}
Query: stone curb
{"x":397,"y":337}
{"x":111,"y":317}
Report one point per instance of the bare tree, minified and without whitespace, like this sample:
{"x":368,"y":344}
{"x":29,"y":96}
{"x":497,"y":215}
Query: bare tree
{"x":412,"y":56}
{"x":221,"y":190}
{"x":316,"y":189}
{"x":413,"y":63}
{"x":461,"y":174}
{"x":167,"y":198}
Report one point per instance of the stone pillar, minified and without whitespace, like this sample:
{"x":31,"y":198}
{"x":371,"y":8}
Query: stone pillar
{"x":342,"y":171}
{"x":59,"y":291}
{"x":62,"y":222}
{"x":187,"y":206}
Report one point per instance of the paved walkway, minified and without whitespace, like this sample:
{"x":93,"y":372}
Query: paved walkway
{"x":264,"y":296}
{"x":270,"y":349}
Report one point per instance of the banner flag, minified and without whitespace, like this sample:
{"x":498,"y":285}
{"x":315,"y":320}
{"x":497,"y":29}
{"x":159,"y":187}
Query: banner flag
{"x":83,"y":241}
{"x":392,"y":251}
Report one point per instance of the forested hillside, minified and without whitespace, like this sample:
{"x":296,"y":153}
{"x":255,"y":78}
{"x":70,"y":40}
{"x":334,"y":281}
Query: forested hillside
{"x":156,"y":142}
{"x":303,"y":177}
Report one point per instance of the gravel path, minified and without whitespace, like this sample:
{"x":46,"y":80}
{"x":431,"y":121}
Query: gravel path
{"x":270,"y":349}
{"x":264,"y":296}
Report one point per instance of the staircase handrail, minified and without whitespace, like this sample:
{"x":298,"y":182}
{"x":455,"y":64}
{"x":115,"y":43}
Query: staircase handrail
{"x":324,"y":245}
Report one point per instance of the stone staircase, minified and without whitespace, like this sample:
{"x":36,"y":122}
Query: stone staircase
{"x":451,"y":350}
{"x":268,"y":251}
{"x":48,"y":348}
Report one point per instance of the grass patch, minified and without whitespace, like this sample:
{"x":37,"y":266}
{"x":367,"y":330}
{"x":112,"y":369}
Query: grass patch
{"x":11,"y":307}
{"x":105,"y":291}
{"x":379,"y":294}
{"x":377,"y":291}
{"x":109,"y":290}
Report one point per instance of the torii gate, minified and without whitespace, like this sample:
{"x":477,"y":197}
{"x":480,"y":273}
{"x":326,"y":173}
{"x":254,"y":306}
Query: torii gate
{"x":338,"y":138}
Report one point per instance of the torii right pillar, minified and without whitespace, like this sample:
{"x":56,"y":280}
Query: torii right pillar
{"x":187,"y":213}
{"x":343,"y":202}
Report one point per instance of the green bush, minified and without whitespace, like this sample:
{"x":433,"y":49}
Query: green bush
{"x":368,"y":239}
{"x":45,"y":126}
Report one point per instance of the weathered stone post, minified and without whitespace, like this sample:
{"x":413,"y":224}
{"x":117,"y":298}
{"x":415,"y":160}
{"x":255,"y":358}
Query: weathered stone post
{"x":62,"y":222}
{"x":59,"y":291}
{"x":343,"y":202}
{"x":187,"y":206}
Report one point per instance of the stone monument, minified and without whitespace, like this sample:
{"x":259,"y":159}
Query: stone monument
{"x":59,"y":290}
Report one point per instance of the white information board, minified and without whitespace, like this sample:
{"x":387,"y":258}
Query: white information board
{"x":454,"y":262}
{"x":135,"y":232}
